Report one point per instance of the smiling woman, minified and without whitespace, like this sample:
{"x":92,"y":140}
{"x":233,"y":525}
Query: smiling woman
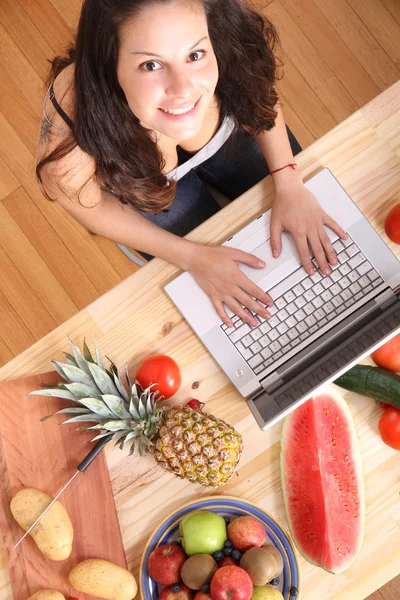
{"x":156,"y":99}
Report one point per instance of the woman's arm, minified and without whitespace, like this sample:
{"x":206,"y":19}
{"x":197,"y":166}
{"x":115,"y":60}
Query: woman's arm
{"x":295,"y":209}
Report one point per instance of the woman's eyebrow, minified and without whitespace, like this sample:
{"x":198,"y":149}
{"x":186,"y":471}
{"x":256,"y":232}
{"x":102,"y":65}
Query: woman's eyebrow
{"x":159,"y":56}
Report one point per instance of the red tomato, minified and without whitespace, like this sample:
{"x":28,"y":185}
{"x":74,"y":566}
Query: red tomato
{"x":161,"y":370}
{"x":388,"y":355}
{"x":392,"y":224}
{"x":384,"y":405}
{"x":389,"y":426}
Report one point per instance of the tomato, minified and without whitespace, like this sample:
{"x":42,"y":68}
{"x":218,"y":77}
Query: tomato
{"x":384,"y":405}
{"x":389,"y":426}
{"x":388,"y":355}
{"x":392,"y":224}
{"x":161,"y":370}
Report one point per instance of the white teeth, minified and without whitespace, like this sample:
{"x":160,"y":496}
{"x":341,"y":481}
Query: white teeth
{"x":179,"y":111}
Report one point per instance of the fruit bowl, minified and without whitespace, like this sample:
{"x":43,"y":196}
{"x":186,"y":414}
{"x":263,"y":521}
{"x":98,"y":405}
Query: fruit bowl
{"x":226,"y":506}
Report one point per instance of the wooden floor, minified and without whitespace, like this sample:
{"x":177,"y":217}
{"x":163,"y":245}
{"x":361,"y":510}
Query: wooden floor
{"x":339,"y":54}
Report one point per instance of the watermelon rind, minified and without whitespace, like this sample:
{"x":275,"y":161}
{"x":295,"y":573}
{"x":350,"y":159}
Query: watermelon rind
{"x":288,"y":422}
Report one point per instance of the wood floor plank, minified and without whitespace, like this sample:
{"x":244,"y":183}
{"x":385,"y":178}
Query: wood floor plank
{"x":26,"y":36}
{"x":8,"y":181}
{"x":336,"y":54}
{"x":121,"y":263}
{"x":23,"y":118}
{"x":49,"y":22}
{"x":310,"y":64}
{"x":69,"y":10}
{"x":27,"y":260}
{"x":13,"y":332}
{"x":6,"y":354}
{"x":20,"y":70}
{"x":376,"y":596}
{"x":24,"y":301}
{"x":51,"y":248}
{"x":391,"y":591}
{"x":393,"y":6}
{"x":307,"y":105}
{"x":360,"y":41}
{"x":293,"y":121}
{"x":380,"y":22}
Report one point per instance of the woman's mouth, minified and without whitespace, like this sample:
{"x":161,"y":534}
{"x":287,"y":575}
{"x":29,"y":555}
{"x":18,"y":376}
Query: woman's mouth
{"x":181,"y":114}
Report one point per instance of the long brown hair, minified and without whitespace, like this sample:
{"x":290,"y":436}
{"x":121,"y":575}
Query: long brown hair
{"x":128,"y":162}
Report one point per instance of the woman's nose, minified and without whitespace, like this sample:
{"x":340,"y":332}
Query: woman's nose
{"x":179,"y":85}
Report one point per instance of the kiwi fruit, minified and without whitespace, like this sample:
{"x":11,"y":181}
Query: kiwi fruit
{"x":273,"y":551}
{"x":198,"y":570}
{"x":260,"y":565}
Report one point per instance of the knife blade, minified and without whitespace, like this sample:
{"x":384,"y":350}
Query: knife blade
{"x":83,"y":465}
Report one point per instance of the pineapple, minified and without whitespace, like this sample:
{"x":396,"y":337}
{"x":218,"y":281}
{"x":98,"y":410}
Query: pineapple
{"x":187,"y":442}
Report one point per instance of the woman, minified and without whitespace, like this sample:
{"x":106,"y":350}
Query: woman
{"x":156,"y":98}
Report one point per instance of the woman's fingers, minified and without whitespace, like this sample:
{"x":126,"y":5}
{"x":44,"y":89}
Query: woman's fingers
{"x":319,"y":253}
{"x":247,"y":259}
{"x":254,"y":291}
{"x":331,"y":223}
{"x":221,"y":312}
{"x":246,"y":300}
{"x":327,"y":246}
{"x":304,"y":253}
{"x":276,"y":236}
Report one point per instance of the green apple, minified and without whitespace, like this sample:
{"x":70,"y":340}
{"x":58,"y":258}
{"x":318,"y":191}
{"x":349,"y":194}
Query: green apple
{"x":266,"y":592}
{"x":202,"y":532}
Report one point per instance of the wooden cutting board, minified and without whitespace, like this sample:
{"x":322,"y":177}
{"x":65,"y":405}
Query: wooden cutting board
{"x":45,"y":456}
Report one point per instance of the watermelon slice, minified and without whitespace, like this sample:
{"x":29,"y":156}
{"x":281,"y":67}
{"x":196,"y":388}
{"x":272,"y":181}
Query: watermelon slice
{"x":322,"y":481}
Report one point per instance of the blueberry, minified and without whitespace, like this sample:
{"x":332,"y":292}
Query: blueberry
{"x":175,"y":588}
{"x":227,"y":551}
{"x":228,"y":544}
{"x":205,"y":588}
{"x":219,"y":555}
{"x":236,"y":555}
{"x":227,"y":520}
{"x":294,"y":591}
{"x":275,"y":581}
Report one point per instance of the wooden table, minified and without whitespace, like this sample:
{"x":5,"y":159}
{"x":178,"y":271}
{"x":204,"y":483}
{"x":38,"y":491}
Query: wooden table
{"x":136,"y":318}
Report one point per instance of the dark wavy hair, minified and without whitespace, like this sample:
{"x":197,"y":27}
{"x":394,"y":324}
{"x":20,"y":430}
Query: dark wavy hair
{"x":128,"y":162}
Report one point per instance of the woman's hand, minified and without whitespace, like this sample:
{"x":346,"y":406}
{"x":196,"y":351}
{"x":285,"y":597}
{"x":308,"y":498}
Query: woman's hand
{"x":298,"y":212}
{"x":216,"y":270}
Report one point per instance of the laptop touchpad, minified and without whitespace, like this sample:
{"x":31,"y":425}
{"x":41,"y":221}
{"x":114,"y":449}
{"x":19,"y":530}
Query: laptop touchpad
{"x":264,"y":252}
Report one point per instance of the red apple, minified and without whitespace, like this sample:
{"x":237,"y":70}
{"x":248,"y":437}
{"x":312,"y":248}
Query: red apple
{"x":231,"y":583}
{"x":165,"y":563}
{"x":226,"y":561}
{"x":183,"y":594}
{"x":200,"y":595}
{"x":246,"y":532}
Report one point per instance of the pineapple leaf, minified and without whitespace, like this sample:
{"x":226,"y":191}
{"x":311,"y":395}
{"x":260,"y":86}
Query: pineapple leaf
{"x":70,"y":359}
{"x":55,"y":393}
{"x":86,"y":352}
{"x":127,"y":376}
{"x":113,"y":369}
{"x":59,"y":367}
{"x":80,"y":360}
{"x":117,"y":425}
{"x":116,"y":405}
{"x":120,"y":388}
{"x":141,"y":408}
{"x":80,"y":390}
{"x":75,"y":374}
{"x":100,"y":436}
{"x":103,"y":381}
{"x":133,"y":410}
{"x":74,"y":411}
{"x":82,"y":418}
{"x":98,"y":407}
{"x":132,"y":448}
{"x":98,"y":355}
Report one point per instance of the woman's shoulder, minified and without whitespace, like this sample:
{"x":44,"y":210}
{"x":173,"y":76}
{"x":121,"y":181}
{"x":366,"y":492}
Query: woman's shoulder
{"x":73,"y":168}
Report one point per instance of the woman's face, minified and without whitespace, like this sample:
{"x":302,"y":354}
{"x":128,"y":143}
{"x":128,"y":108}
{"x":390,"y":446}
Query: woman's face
{"x":167,"y":67}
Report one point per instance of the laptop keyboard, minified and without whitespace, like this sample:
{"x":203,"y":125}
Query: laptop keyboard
{"x":303,"y":304}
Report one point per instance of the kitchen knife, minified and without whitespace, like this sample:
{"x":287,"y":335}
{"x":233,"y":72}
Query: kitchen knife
{"x":80,"y":469}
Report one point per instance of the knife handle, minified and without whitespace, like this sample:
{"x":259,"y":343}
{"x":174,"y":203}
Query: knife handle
{"x":93,"y":453}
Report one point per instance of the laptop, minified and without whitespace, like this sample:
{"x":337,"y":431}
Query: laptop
{"x":321,"y":325}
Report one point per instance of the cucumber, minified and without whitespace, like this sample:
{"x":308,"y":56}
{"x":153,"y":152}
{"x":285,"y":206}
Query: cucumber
{"x":374,"y":382}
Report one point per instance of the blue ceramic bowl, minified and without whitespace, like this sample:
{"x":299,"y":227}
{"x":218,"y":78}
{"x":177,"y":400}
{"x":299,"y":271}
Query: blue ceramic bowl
{"x":226,"y":506}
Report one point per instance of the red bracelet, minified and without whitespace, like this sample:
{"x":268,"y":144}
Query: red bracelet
{"x":291,"y":165}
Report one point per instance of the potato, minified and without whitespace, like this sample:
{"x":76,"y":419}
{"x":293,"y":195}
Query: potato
{"x":47,"y":595}
{"x":104,"y":579}
{"x":54,"y":533}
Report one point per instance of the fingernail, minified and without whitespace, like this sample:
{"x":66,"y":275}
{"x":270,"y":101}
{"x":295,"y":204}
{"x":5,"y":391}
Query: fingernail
{"x":311,"y":272}
{"x":275,"y":253}
{"x":267,"y":314}
{"x":253,"y":323}
{"x":269,"y":303}
{"x":327,"y":271}
{"x":229,"y":324}
{"x":261,"y":263}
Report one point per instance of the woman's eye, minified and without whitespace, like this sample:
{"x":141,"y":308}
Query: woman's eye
{"x":198,"y":55}
{"x":152,"y":65}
